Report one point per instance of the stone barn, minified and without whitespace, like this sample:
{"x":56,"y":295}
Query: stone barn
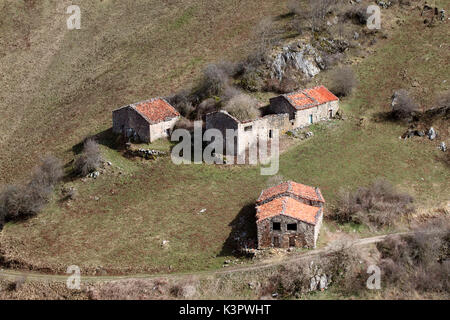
{"x":307,"y":106}
{"x":145,"y":121}
{"x":246,"y":133}
{"x":289,"y":215}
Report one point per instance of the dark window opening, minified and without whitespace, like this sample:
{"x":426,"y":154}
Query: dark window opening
{"x":270,"y":134}
{"x":168,"y":132}
{"x":331,"y":113}
{"x":292,"y":226}
{"x":276,"y":226}
{"x":249,"y":128}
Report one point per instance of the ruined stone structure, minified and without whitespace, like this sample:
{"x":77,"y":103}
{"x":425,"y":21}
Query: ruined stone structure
{"x":289,"y":215}
{"x":145,"y":121}
{"x":307,"y":106}
{"x":246,"y":133}
{"x":288,"y":111}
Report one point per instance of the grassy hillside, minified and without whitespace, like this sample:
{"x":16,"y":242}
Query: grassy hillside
{"x":59,"y":85}
{"x":140,"y":204}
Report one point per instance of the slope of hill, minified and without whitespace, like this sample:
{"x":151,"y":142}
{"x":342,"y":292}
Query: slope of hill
{"x":63,"y":88}
{"x":59,"y":85}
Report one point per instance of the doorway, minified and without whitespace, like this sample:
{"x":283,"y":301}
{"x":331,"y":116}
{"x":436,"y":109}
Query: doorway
{"x":276,"y":242}
{"x":292,"y":241}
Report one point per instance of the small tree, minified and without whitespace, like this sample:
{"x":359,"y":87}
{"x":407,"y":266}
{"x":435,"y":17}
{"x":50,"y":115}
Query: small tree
{"x":89,"y":160}
{"x":243,"y":107}
{"x":343,"y":80}
{"x":403,"y":105}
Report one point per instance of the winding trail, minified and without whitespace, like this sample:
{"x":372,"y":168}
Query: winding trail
{"x":35,"y":276}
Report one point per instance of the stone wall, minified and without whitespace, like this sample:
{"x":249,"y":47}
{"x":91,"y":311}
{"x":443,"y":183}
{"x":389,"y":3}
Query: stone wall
{"x":162,"y":129}
{"x":127,"y":119}
{"x":246,"y":133}
{"x":319,"y":113}
{"x":305,"y":236}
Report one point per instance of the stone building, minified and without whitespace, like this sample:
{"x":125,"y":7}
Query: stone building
{"x":246,"y":133}
{"x":307,"y":106}
{"x":145,"y":121}
{"x":289,"y":215}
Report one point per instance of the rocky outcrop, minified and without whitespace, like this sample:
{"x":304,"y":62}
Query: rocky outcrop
{"x":299,"y":56}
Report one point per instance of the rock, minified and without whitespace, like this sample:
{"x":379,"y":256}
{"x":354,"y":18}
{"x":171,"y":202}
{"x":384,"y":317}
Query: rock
{"x":109,"y":163}
{"x":227,"y":262}
{"x":96,"y":198}
{"x":165,"y":244}
{"x":356,"y":35}
{"x":443,"y":146}
{"x":301,"y":56}
{"x":431,"y":134}
{"x":420,"y":133}
{"x":274,"y":295}
{"x":202,"y":211}
{"x":188,"y":291}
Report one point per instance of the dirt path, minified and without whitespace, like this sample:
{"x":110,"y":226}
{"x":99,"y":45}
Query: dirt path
{"x":33,"y":276}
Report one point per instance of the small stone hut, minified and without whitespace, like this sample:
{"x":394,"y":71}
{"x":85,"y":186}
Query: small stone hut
{"x":246,"y":133}
{"x":145,"y":121}
{"x":289,"y":215}
{"x":307,"y":106}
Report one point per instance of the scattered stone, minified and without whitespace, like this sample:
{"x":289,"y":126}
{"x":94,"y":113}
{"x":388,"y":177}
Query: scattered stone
{"x":356,"y":35}
{"x":109,"y":163}
{"x":93,"y":175}
{"x":165,"y":244}
{"x":202,"y":211}
{"x":443,"y":146}
{"x":274,"y":295}
{"x":96,"y":198}
{"x":431,"y":134}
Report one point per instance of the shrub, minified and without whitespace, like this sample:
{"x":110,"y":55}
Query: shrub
{"x":89,"y":160}
{"x":443,"y":99}
{"x":377,"y":205}
{"x":216,"y":78}
{"x":21,"y":201}
{"x":418,"y":261}
{"x":403,"y":105}
{"x":343,"y":80}
{"x":182,"y":103}
{"x":243,"y":107}
{"x":184,"y":123}
{"x":287,"y":84}
{"x":357,"y":14}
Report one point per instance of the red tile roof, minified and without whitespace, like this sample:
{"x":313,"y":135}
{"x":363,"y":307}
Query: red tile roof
{"x":294,"y":189}
{"x":289,"y":207}
{"x":309,"y":98}
{"x":156,"y":110}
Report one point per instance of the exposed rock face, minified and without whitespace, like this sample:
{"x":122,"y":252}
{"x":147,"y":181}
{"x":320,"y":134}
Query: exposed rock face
{"x":299,"y":56}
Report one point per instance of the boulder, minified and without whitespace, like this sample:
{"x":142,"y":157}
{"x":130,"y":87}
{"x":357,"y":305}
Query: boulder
{"x":443,"y":146}
{"x":301,"y":57}
{"x":431,"y":134}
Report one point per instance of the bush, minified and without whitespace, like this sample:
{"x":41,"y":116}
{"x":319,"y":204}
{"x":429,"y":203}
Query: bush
{"x":286,"y":85}
{"x":377,"y":205}
{"x":184,"y":123}
{"x":21,"y":201}
{"x":343,"y":80}
{"x":182,"y":103}
{"x":243,"y":107}
{"x":357,"y":14}
{"x":216,"y":78}
{"x":418,"y":261}
{"x":443,"y":99}
{"x":89,"y":160}
{"x":403,"y":106}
